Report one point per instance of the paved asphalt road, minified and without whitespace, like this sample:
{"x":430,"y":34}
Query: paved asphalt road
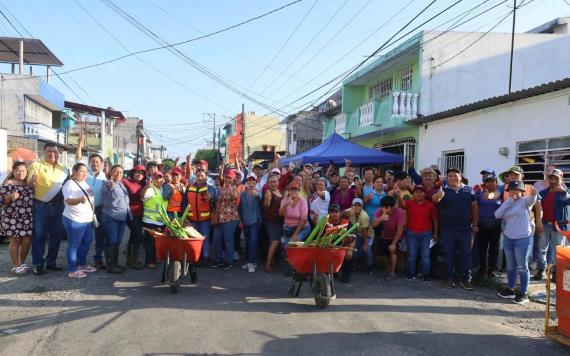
{"x":235,"y":312}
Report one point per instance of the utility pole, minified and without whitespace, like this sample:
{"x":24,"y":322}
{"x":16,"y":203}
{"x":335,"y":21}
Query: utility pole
{"x":213,"y":117}
{"x":512,"y":46}
{"x":243,"y":131}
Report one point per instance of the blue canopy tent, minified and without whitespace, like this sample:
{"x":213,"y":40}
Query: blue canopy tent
{"x":337,"y":149}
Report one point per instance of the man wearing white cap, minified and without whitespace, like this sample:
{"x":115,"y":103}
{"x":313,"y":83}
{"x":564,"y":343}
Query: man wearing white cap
{"x":365,"y":232}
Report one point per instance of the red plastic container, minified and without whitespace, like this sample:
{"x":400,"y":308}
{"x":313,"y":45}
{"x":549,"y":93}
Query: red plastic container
{"x":563,"y":289}
{"x":301,"y":258}
{"x":177,"y":247}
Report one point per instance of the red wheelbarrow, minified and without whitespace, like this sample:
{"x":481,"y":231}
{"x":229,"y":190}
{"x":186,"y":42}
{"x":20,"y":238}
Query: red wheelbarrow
{"x":316,"y":265}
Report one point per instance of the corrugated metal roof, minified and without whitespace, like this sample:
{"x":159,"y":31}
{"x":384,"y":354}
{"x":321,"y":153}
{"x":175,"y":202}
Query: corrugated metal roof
{"x":35,"y":52}
{"x":497,"y":100}
{"x":93,"y":110}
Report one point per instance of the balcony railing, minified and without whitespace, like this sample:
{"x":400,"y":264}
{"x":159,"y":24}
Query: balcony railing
{"x":40,"y":131}
{"x":366,"y":114}
{"x":340,"y":123}
{"x":405,"y":104}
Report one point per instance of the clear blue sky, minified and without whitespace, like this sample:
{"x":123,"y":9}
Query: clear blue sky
{"x":247,"y":56}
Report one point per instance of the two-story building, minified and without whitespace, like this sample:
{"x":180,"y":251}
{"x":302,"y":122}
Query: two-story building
{"x":435,"y":71}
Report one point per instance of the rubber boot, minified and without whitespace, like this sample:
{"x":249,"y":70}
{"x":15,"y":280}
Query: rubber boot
{"x":134,"y":260}
{"x":111,"y":259}
{"x":116,"y":252}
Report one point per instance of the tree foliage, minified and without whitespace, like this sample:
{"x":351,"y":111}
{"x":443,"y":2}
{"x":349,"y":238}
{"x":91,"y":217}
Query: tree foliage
{"x":213,"y":157}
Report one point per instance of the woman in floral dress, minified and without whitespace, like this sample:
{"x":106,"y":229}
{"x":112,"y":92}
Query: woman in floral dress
{"x":16,"y":198}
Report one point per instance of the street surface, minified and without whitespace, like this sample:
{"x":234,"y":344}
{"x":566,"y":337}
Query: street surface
{"x":238,"y":313}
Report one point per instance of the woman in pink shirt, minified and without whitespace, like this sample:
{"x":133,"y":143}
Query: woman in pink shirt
{"x":295,"y":211}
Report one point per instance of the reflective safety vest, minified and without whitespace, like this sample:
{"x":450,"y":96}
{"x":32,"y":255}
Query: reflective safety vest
{"x":175,"y":201}
{"x":199,"y":203}
{"x":153,"y":205}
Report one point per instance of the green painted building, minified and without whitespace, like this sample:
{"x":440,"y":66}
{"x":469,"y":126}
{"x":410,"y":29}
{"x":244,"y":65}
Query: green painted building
{"x":379,"y":99}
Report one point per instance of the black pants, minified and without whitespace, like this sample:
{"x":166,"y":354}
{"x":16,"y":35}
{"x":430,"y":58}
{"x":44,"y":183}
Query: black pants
{"x":149,"y":247}
{"x":488,"y":249}
{"x":135,"y":226}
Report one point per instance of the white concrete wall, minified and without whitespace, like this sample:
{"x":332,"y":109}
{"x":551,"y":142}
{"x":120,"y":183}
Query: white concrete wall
{"x":482,"y":71}
{"x":481,"y":133}
{"x":3,"y":154}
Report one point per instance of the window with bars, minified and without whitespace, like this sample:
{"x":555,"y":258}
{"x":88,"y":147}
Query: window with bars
{"x":534,"y":156}
{"x":453,"y":159}
{"x":381,"y":90}
{"x":406,"y":79}
{"x":36,"y":113}
{"x":405,"y":147}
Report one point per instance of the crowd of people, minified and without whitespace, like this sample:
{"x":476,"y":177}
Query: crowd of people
{"x":407,"y":219}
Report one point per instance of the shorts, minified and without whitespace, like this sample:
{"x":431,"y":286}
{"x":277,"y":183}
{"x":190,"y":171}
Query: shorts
{"x":274,"y":231}
{"x":383,"y":247}
{"x":288,"y":231}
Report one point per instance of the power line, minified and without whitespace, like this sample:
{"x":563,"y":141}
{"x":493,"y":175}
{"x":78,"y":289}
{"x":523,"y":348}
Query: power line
{"x":304,"y":65}
{"x":304,"y":48}
{"x":185,"y":58}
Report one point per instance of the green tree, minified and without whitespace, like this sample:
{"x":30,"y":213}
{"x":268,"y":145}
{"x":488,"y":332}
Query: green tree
{"x":168,"y":164}
{"x":212,"y":156}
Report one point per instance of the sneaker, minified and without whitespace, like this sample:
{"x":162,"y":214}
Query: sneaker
{"x":87,"y":269}
{"x":449,"y":284}
{"x":54,"y":268}
{"x":521,"y":299}
{"x":23,"y":269}
{"x":76,"y":274}
{"x":507,"y":294}
{"x":236,"y":256}
{"x":411,"y":278}
{"x":227,"y":266}
{"x":538,"y":276}
{"x":390,"y":276}
{"x":38,"y":270}
{"x":466,"y":285}
{"x":217,"y":265}
{"x":246,"y":266}
{"x":251,"y":267}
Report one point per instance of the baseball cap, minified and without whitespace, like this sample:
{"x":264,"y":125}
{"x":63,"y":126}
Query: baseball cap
{"x":514,"y":169}
{"x":487,"y":171}
{"x":428,"y":170}
{"x":453,"y":169}
{"x":334,"y":207}
{"x":556,"y":172}
{"x":308,"y":165}
{"x":517,"y":185}
{"x":230,"y":173}
{"x":251,"y":175}
{"x":139,"y":167}
{"x":275,"y":171}
{"x":157,"y":174}
{"x":357,"y":201}
{"x":294,"y":185}
{"x":419,"y":187}
{"x":176,"y":170}
{"x":203,"y":163}
{"x":490,"y":177}
{"x":257,"y":166}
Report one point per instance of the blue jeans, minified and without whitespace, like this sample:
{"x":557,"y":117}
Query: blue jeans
{"x":47,"y":221}
{"x":516,"y":253}
{"x":224,"y":236}
{"x":288,"y":231}
{"x":79,"y":238}
{"x":113,"y":229}
{"x":369,"y":255}
{"x":204,"y":228}
{"x":547,"y":243}
{"x":251,"y":241}
{"x":419,"y":242}
{"x":457,"y":244}
{"x":99,"y":236}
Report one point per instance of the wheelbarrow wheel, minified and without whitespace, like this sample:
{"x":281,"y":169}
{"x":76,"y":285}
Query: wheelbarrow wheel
{"x":175,"y":276}
{"x":322,"y":290}
{"x":193,"y":274}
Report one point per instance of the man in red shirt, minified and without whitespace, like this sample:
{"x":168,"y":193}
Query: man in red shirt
{"x":422,"y":227}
